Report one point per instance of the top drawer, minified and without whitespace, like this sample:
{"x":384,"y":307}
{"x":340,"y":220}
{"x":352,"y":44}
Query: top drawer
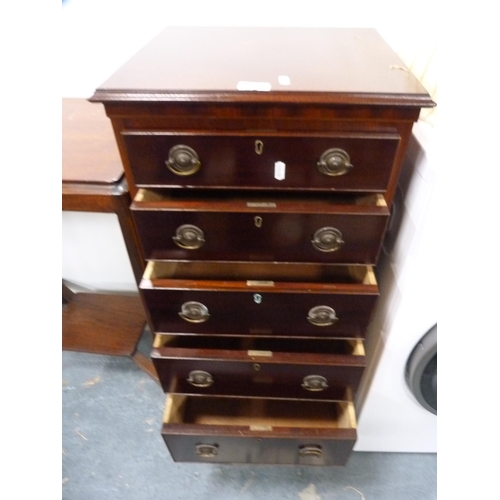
{"x":341,"y":162}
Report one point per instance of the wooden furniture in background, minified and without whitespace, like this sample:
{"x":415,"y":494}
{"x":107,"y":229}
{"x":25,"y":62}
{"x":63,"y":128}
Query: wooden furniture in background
{"x":92,"y":173}
{"x":93,"y":181}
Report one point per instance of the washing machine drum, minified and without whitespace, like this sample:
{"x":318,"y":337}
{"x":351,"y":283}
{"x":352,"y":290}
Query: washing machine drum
{"x":421,"y":371}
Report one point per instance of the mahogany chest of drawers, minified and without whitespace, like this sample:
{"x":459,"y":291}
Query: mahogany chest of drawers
{"x":263,"y":163}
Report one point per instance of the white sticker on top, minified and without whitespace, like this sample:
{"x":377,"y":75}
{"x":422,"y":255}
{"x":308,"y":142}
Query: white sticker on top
{"x":258,"y":86}
{"x":279,"y":170}
{"x":284,"y":80}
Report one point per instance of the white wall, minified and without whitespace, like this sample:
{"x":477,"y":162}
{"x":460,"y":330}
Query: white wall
{"x":94,"y":253}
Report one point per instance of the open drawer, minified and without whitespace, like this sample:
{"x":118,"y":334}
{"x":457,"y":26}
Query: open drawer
{"x":258,"y":431}
{"x":249,"y":227}
{"x":259,"y":300}
{"x":261,"y":367}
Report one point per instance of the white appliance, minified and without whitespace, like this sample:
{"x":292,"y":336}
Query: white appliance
{"x":390,"y":417}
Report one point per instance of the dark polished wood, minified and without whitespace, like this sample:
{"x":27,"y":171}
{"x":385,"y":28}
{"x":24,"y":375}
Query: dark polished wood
{"x":102,"y":323}
{"x":270,"y":368}
{"x":343,"y":63}
{"x":287,"y":228}
{"x":233,"y":243}
{"x":235,"y":161}
{"x":260,"y":431}
{"x":89,"y":151}
{"x":259,"y":117}
{"x":281,"y":313}
{"x":237,"y":445}
{"x":233,"y":236}
{"x":259,"y":300}
{"x":256,"y":448}
{"x":339,"y":79}
{"x":189,"y":118}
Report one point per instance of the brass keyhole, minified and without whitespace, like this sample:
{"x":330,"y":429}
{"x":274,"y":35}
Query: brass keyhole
{"x":259,"y":147}
{"x":258,"y":221}
{"x":256,"y":367}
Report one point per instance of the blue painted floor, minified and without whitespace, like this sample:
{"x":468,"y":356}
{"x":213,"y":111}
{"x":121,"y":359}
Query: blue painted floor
{"x":112,"y":449}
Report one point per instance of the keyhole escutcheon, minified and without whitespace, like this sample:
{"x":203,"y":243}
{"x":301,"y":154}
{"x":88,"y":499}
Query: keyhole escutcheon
{"x":258,"y":221}
{"x":259,"y":147}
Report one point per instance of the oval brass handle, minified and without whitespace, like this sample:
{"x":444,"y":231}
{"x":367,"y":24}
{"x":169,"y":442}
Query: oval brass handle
{"x":322,"y":316}
{"x":199,"y":378}
{"x":315,"y":383}
{"x":194,"y":312}
{"x":327,"y":239}
{"x":334,"y":162}
{"x":189,"y":237}
{"x":183,"y":160}
{"x":207,"y":450}
{"x":311,"y":451}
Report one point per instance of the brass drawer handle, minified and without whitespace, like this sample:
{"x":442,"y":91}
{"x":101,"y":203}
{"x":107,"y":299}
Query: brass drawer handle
{"x":334,"y":162}
{"x":189,"y":237}
{"x":183,"y":160}
{"x":310,"y":451}
{"x":327,"y":239}
{"x":199,"y":378}
{"x":207,"y":450}
{"x":315,"y":383}
{"x":194,"y":312}
{"x":322,"y":316}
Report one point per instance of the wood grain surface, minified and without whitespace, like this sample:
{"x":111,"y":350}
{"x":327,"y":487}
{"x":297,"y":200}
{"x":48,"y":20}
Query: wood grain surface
{"x":102,"y":323}
{"x":210,"y":63}
{"x":89,"y":150}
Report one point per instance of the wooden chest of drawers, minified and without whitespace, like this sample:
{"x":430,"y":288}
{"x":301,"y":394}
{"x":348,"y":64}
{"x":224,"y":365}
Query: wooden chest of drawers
{"x":263,"y":163}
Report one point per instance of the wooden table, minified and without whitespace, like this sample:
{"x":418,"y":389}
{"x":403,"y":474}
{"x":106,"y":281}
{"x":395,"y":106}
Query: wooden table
{"x":93,"y":181}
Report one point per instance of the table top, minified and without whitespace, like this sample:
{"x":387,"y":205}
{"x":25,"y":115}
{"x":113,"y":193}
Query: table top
{"x":89,"y":150}
{"x":337,"y":65}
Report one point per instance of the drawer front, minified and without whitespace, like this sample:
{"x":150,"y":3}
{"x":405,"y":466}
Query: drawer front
{"x":258,"y":376}
{"x":252,"y":450}
{"x":355,"y":162}
{"x":268,"y":237}
{"x":259,"y":312}
{"x":258,"y":431}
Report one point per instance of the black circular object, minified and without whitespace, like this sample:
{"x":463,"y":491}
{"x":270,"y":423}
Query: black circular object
{"x":421,"y":371}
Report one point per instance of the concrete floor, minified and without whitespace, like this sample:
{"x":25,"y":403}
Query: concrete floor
{"x":112,"y":449}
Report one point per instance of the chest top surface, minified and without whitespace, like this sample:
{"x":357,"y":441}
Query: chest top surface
{"x":297,"y":65}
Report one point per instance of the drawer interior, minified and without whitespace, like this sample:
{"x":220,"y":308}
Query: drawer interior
{"x":259,"y":274}
{"x":258,"y":414}
{"x":258,"y":198}
{"x":352,"y":347}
